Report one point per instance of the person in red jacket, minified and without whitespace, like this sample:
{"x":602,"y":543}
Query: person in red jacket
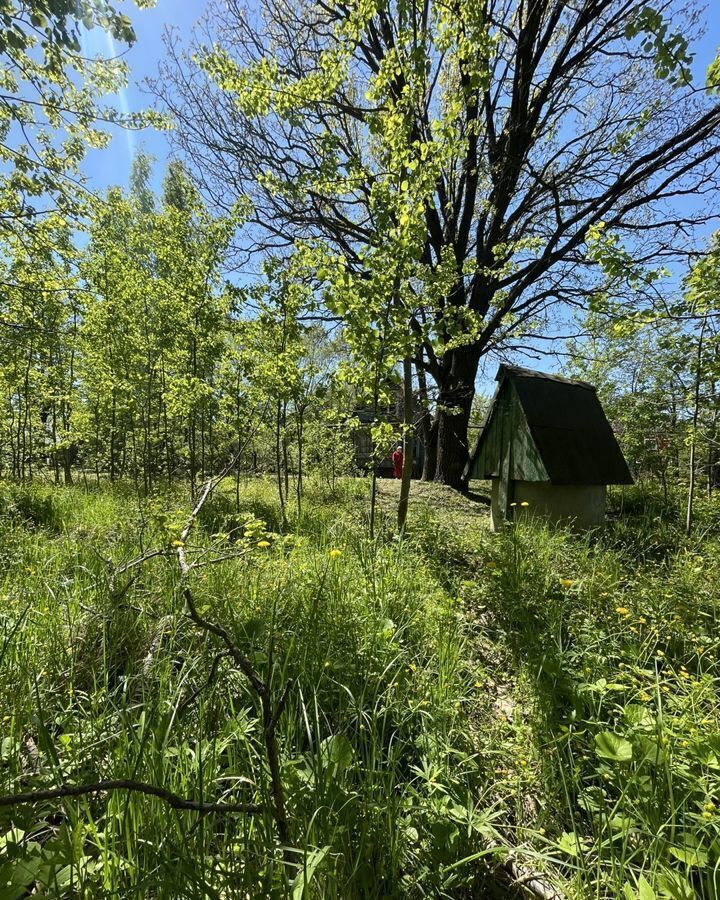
{"x":397,"y":460}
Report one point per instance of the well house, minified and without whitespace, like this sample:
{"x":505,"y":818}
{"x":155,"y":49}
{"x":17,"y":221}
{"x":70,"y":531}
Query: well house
{"x":548,"y":448}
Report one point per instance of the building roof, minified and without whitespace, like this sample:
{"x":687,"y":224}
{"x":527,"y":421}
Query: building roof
{"x":567,"y":425}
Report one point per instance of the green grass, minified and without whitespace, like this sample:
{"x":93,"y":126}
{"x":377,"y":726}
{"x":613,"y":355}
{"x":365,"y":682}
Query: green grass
{"x":455,"y":694}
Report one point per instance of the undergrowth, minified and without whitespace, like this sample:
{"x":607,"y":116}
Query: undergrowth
{"x":459,"y":697}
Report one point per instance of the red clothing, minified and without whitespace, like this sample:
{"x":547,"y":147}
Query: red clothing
{"x":397,"y":459}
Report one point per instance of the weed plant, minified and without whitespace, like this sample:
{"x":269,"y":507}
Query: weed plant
{"x":104,"y":677}
{"x":459,"y":698}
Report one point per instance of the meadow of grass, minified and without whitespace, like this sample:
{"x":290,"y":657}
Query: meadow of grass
{"x":466,"y":709}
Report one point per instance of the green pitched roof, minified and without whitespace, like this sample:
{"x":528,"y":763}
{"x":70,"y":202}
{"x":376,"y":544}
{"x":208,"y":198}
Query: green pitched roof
{"x":556,"y":430}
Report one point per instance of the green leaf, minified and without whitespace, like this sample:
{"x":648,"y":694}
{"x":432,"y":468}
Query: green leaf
{"x":304,"y":877}
{"x":691,"y":856}
{"x":609,"y":745}
{"x":643,"y":891}
{"x":338,"y":752}
{"x":568,"y":844}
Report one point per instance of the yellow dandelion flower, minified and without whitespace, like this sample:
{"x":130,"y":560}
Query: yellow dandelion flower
{"x":178,"y":543}
{"x":263,"y":544}
{"x":567,"y":582}
{"x":524,"y":503}
{"x":513,"y":503}
{"x":644,"y":696}
{"x":707,"y":815}
{"x":335,"y":552}
{"x":622,"y":610}
{"x":642,"y":620}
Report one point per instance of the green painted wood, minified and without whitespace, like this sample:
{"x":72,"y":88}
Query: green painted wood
{"x":506,"y":446}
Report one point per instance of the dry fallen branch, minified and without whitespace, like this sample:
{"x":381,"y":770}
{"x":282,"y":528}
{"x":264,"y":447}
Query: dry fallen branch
{"x":271,"y":712}
{"x":529,"y":883}
{"x":124,"y":784}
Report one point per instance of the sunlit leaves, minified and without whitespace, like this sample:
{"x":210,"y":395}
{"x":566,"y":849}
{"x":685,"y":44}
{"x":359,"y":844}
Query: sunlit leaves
{"x":50,"y":112}
{"x":670,"y":50}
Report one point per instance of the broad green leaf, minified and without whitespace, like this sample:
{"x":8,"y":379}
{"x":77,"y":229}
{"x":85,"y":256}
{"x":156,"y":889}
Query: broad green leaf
{"x":691,"y":856}
{"x":609,"y":745}
{"x":338,"y":752}
{"x":568,"y":844}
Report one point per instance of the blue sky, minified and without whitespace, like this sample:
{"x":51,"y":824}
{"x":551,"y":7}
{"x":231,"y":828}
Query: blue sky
{"x":112,"y":166}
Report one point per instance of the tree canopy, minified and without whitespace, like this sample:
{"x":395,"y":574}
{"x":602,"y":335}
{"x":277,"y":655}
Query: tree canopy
{"x":480,"y":140}
{"x":50,"y":111}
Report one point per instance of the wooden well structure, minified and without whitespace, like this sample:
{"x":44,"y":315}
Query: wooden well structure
{"x":548,"y":448}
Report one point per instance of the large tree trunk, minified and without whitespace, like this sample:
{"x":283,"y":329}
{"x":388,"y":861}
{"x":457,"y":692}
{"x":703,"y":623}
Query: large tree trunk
{"x":454,"y":405}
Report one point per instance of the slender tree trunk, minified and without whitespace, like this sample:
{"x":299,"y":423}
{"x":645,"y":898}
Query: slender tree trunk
{"x":113,"y":430}
{"x":97,"y":447}
{"x":70,"y":451}
{"x":428,"y":427}
{"x":202,"y":446}
{"x":286,"y":465}
{"x":299,"y":480}
{"x":166,"y":434}
{"x":278,"y":461}
{"x":193,"y":449}
{"x":67,"y":466}
{"x":408,"y":444}
{"x":693,"y":438}
{"x":238,"y":425}
{"x":26,"y":439}
{"x":56,"y":455}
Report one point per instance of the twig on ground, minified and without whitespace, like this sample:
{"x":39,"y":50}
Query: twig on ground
{"x":533,"y":884}
{"x":124,"y":784}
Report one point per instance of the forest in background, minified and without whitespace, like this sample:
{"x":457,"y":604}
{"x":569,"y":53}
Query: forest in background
{"x":233,"y":661}
{"x":134,"y":357}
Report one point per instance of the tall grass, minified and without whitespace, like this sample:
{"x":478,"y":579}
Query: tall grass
{"x":455,"y":694}
{"x":614,"y":641}
{"x":107,"y":678}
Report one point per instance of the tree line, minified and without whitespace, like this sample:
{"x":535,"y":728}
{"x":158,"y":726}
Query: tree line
{"x":437,"y":183}
{"x":134,"y":357}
